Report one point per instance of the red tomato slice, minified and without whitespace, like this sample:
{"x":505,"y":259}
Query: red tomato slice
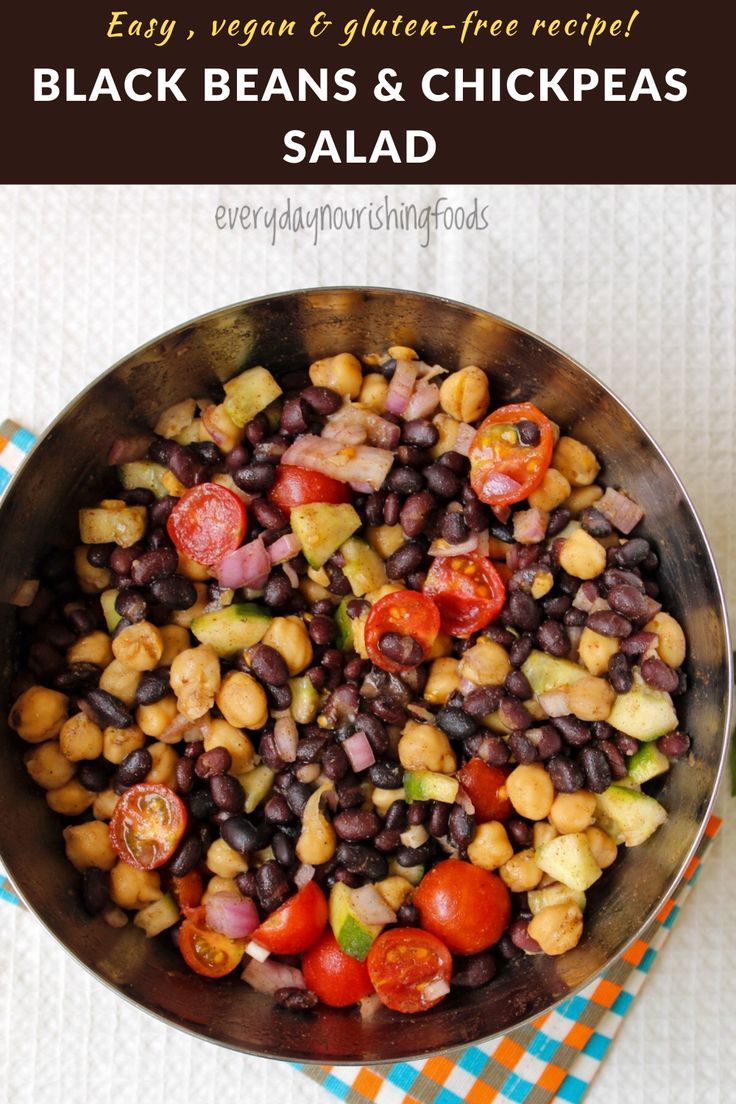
{"x":502,"y":469}
{"x":463,"y":905}
{"x":188,"y":890}
{"x":486,"y":788}
{"x":405,"y":612}
{"x":296,"y":925}
{"x":147,"y":824}
{"x":208,"y":953}
{"x":207,"y":522}
{"x":407,"y":966}
{"x":336,"y":978}
{"x":467,"y":590}
{"x":299,"y":486}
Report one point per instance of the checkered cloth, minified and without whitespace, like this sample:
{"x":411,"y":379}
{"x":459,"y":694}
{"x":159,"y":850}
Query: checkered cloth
{"x":552,"y":1060}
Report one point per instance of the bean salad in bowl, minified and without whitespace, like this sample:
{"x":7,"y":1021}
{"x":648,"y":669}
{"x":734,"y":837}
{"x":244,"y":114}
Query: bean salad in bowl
{"x":354,"y":686}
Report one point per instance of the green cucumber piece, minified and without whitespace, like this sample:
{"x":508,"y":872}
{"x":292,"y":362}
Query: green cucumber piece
{"x":644,"y":713}
{"x":354,"y":937}
{"x":305,"y":700}
{"x":344,"y":626}
{"x":545,"y":672}
{"x":413,"y":874}
{"x":363,"y":567}
{"x":249,"y":393}
{"x":322,"y":527}
{"x":145,"y":474}
{"x":232,"y":629}
{"x":569,"y":859}
{"x":158,"y":916}
{"x":430,"y":786}
{"x":112,"y":617}
{"x":629,"y":816}
{"x":558,"y":894}
{"x":647,"y":763}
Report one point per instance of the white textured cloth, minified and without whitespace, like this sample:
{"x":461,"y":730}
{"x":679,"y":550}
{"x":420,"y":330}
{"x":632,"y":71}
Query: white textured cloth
{"x":638,"y":283}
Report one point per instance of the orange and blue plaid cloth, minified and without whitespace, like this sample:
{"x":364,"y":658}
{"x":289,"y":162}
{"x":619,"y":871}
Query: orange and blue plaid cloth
{"x":550,"y":1061}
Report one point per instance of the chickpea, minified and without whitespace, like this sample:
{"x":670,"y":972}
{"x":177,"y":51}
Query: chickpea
{"x":552,"y":491}
{"x":71,"y":799}
{"x":383,"y":799}
{"x":218,"y":884}
{"x":490,"y":846}
{"x":671,"y":645}
{"x":314,"y":592}
{"x":385,"y":539}
{"x":154,"y":719}
{"x":218,"y":426}
{"x":591,"y":698}
{"x":92,"y":580}
{"x":575,"y":461}
{"x":444,"y":679}
{"x":521,"y":873}
{"x":92,"y":648}
{"x":48,"y":766}
{"x":164,"y":765}
{"x":605,"y":849}
{"x":426,"y":747}
{"x":131,"y":888}
{"x":317,"y":842}
{"x":104,"y":804}
{"x":530,"y":791}
{"x":185,"y":617}
{"x":89,"y":845}
{"x":465,"y":395}
{"x":289,"y":636}
{"x":195,"y":679}
{"x":582,"y":556}
{"x":242,"y":701}
{"x":38,"y":714}
{"x":221,"y":734}
{"x":486,"y":663}
{"x":373,"y":392}
{"x":395,"y":891}
{"x":573,"y":812}
{"x":442,"y":646}
{"x":543,"y":833}
{"x":582,"y":497}
{"x":119,"y":742}
{"x":402,"y":352}
{"x":542,"y":584}
{"x":447,"y":428}
{"x":596,"y":650}
{"x":225,"y":862}
{"x":119,"y":680}
{"x":341,"y":373}
{"x":557,"y":928}
{"x":190,"y":569}
{"x":139,"y":647}
{"x":175,"y":640}
{"x":80,"y":738}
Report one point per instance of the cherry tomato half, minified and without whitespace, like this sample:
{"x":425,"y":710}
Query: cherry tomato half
{"x":299,"y":486}
{"x":467,"y":590}
{"x":208,"y":953}
{"x":405,"y":965}
{"x":486,"y":787}
{"x":296,"y":925}
{"x":503,"y":469}
{"x":207,"y":522}
{"x":336,"y":978}
{"x":188,"y":890}
{"x":147,"y":824}
{"x":407,"y":613}
{"x":463,"y":905}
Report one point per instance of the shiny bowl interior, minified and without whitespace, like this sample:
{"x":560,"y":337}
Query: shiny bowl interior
{"x":67,"y":469}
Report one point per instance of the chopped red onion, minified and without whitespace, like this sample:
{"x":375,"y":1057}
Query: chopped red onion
{"x":555,"y":703}
{"x":25,"y":592}
{"x":598,"y":605}
{"x":440,"y":547}
{"x":428,"y":372}
{"x":464,"y":439}
{"x":369,"y":1006}
{"x":359,"y":751}
{"x":501,"y":513}
{"x":268,"y":977}
{"x":435,"y":990}
{"x":530,"y":526}
{"x":291,"y":574}
{"x":419,"y":711}
{"x":622,"y":512}
{"x":361,"y":487}
{"x":423,"y":402}
{"x":401,"y":386}
{"x":353,"y":425}
{"x":585,"y":596}
{"x":370,"y":907}
{"x":231,"y":915}
{"x":286,"y":738}
{"x":220,"y":436}
{"x":248,"y":566}
{"x":304,"y":874}
{"x":574,"y":633}
{"x":126,"y":449}
{"x":463,"y":798}
{"x":484,"y":543}
{"x":257,"y":951}
{"x":349,"y":431}
{"x":367,"y":465}
{"x":285,"y":548}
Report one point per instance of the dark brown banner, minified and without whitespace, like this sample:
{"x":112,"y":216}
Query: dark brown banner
{"x":551,"y":92}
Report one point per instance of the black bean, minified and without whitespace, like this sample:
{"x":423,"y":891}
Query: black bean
{"x":339,"y":582}
{"x":453,"y":529}
{"x":405,"y":481}
{"x":240,"y":834}
{"x":272,"y":885}
{"x":201,"y":805}
{"x":520,"y":832}
{"x":375,"y":730}
{"x":268,"y":514}
{"x":134,"y":767}
{"x":517,"y":684}
{"x":374,"y":508}
{"x":94,"y":774}
{"x":389,"y":776}
{"x":519,"y":935}
{"x":416,"y":856}
{"x":407,"y":915}
{"x":79,"y":678}
{"x":633,"y":552}
{"x":296,"y":1000}
{"x":574,"y":617}
{"x":397,"y":815}
{"x":416,"y":812}
{"x":246,"y":883}
{"x":109,"y":710}
{"x":184,"y":773}
{"x":227,"y":793}
{"x":356,"y":669}
{"x":522,"y":748}
{"x":404,"y":560}
{"x":207,"y":452}
{"x":131,"y":605}
{"x":595,"y":523}
{"x":359,"y":859}
{"x":388,"y":367}
{"x":513,"y":714}
{"x":283,"y":850}
{"x":499,"y":635}
{"x":566,"y":775}
{"x":638,"y":643}
{"x":276,"y":810}
{"x":546,"y":740}
{"x":152,"y":687}
{"x":297,"y":796}
{"x":520,"y":650}
{"x":278,"y":590}
{"x":322,"y":630}
{"x":674,"y":745}
{"x":174,"y":593}
{"x":415,"y":514}
{"x":98,"y":555}
{"x":391,"y":508}
{"x":80,"y":620}
{"x":279,"y":697}
{"x":615,"y":760}
{"x":255,"y":477}
{"x":558,"y":519}
{"x":475,"y":515}
{"x":310,"y":750}
{"x":553,"y":639}
{"x":619,"y":673}
{"x":557,"y":606}
{"x":293,"y":417}
{"x":186,"y":857}
{"x":628,"y":601}
{"x":456,"y":722}
{"x":522,"y":611}
{"x":658,"y":675}
{"x":185,"y":465}
{"x":355,"y":825}
{"x":596,"y":768}
{"x":216,"y":761}
{"x":95,"y":890}
{"x":438,"y":818}
{"x":608,"y":623}
{"x":460,"y":826}
{"x":442,"y":481}
{"x":573,"y":730}
{"x":158,"y":564}
{"x":528,"y":431}
{"x":482,"y":701}
{"x":626,"y":744}
{"x":388,"y":712}
{"x":322,"y":400}
{"x":420,"y":432}
{"x":409,"y":456}
{"x":335,"y":763}
{"x":473,"y":971}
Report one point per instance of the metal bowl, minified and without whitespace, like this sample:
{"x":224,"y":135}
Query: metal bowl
{"x":67,"y":469}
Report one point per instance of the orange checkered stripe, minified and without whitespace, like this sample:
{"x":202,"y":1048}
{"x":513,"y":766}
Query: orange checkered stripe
{"x":552,"y":1059}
